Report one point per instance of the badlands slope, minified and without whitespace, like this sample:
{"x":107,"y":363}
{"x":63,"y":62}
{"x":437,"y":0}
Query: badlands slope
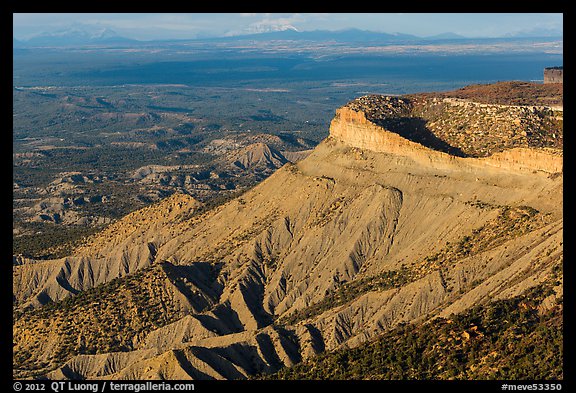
{"x":259,"y":282}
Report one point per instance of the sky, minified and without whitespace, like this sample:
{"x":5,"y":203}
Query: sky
{"x":146,"y":26}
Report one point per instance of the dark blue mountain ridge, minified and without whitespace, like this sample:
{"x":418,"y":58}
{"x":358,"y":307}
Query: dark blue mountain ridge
{"x":80,"y":37}
{"x":73,"y":37}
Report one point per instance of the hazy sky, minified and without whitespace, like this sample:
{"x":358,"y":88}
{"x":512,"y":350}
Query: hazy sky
{"x":163,"y":25}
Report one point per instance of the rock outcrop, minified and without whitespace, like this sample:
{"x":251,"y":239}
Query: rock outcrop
{"x":461,"y":127}
{"x":257,"y":156}
{"x":353,"y":128}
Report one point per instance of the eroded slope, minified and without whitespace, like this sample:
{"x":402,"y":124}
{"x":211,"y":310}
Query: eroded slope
{"x":370,"y":231}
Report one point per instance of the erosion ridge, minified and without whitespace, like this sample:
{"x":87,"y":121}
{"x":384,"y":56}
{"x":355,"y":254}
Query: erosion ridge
{"x":391,"y":229}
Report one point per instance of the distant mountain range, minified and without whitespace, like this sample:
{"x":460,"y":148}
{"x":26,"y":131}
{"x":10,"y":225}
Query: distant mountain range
{"x":75,"y":37}
{"x":348,"y":35}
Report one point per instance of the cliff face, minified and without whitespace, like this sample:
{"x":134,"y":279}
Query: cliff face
{"x":351,"y":126}
{"x":370,"y":231}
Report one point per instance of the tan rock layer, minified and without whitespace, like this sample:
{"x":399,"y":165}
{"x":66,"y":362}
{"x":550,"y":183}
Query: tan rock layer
{"x":352,"y":127}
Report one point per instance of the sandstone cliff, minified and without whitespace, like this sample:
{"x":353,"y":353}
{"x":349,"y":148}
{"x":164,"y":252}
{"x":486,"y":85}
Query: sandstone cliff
{"x":353,"y":128}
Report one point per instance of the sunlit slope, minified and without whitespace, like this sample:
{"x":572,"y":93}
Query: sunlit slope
{"x":369,"y":231}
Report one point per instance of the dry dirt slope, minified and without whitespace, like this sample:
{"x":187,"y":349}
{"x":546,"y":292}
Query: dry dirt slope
{"x":387,"y":230}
